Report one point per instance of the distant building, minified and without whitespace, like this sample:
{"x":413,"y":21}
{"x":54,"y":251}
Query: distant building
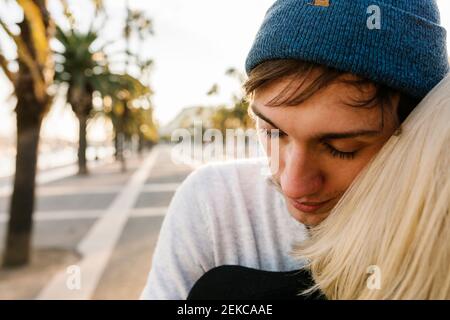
{"x":187,"y":118}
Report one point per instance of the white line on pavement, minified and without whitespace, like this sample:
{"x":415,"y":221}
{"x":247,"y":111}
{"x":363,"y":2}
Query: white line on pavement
{"x":149,"y":212}
{"x":54,"y":175}
{"x":89,"y":214}
{"x":98,"y":245}
{"x":160,"y":187}
{"x":69,"y":190}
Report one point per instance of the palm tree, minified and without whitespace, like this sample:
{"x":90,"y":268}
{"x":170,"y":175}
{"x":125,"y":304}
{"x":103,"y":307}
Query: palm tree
{"x":130,"y":89}
{"x":233,"y":116}
{"x":122,"y":92}
{"x":85,"y":70}
{"x":30,"y":83}
{"x":139,"y":26}
{"x":144,"y":127}
{"x":82,"y":70}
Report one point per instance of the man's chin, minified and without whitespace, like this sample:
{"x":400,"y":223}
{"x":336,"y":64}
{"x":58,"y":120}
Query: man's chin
{"x":308,"y":219}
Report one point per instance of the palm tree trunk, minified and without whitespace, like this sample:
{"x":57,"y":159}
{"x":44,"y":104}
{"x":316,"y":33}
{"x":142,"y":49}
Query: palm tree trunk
{"x":82,"y":146}
{"x":119,"y":143}
{"x":33,"y":103}
{"x":18,"y":238}
{"x":123,"y":161}
{"x":116,"y":145}
{"x":141,"y":142}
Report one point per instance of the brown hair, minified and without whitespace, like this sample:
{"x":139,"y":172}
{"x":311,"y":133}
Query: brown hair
{"x":298,"y":71}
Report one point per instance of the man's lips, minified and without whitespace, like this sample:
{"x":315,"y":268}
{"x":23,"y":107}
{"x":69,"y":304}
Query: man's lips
{"x":308,"y":207}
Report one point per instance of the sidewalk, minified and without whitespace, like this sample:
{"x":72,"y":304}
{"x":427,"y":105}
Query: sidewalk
{"x":52,"y":174}
{"x":124,"y":210}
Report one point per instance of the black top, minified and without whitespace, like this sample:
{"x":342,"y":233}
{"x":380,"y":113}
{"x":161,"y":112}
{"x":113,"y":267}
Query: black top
{"x":241,"y":283}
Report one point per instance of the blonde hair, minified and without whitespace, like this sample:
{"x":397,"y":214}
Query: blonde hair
{"x":394,"y":217}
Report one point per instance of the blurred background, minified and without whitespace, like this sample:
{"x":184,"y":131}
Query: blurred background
{"x":91,"y":92}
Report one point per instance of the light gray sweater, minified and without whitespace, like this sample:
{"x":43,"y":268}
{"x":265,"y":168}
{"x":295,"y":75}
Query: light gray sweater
{"x":222,"y":214}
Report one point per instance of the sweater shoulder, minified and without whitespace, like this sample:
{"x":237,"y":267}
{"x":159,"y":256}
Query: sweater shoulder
{"x":247,"y":219}
{"x":246,"y":176}
{"x":238,"y":188}
{"x":229,"y":170}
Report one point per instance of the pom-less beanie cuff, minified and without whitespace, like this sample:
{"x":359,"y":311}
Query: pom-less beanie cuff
{"x":407,"y":53}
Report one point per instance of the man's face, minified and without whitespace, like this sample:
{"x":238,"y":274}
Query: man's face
{"x":317,"y":161}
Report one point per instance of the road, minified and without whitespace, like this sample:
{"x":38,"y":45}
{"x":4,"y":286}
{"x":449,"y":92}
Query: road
{"x":106,"y":223}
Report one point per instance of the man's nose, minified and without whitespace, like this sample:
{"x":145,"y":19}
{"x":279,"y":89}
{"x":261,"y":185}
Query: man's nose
{"x":301,"y":176}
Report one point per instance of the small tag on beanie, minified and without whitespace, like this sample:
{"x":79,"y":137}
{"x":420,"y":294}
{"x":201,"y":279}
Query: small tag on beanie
{"x":321,"y":3}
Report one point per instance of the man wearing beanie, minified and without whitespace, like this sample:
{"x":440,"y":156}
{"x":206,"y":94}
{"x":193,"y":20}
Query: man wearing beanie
{"x":329,"y":82}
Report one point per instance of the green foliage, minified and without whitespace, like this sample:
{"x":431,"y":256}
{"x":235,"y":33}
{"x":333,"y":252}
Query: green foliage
{"x":129,"y":106}
{"x":32,"y":50}
{"x":234,"y":116}
{"x":86,"y":70}
{"x":80,"y":68}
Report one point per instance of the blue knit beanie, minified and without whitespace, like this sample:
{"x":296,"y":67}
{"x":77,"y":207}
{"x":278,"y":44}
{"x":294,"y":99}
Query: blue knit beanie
{"x":406,"y":51}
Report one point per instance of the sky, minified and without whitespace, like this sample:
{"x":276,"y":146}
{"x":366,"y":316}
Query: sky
{"x":195,"y":42}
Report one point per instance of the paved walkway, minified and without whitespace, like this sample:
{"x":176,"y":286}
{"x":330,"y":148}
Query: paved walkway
{"x":108,"y":222}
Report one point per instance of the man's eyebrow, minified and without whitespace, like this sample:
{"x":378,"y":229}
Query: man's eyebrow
{"x":347,"y":135}
{"x":260,"y":115}
{"x":327,"y":135}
